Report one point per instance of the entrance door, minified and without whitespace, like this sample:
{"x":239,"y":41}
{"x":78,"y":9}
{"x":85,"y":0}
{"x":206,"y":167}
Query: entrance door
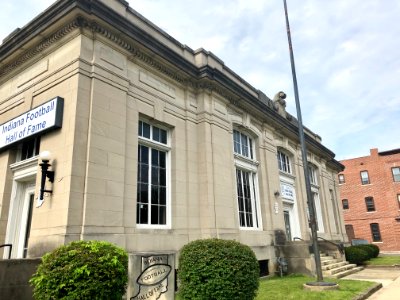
{"x":286,"y":216}
{"x":350,"y":232}
{"x":19,"y":226}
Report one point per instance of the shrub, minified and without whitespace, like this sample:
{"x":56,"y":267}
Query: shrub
{"x":355,"y":255}
{"x":82,"y":270}
{"x":214,"y":269}
{"x":370,"y":251}
{"x":375,"y":249}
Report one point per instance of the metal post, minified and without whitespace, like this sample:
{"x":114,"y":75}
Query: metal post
{"x":310,"y":199}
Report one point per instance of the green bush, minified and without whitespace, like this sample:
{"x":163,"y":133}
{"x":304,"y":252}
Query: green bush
{"x":82,"y":270}
{"x":370,"y":251}
{"x":356,"y":255}
{"x":215,"y":269}
{"x":375,"y":249}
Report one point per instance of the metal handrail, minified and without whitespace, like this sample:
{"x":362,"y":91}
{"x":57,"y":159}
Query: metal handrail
{"x":9,"y":252}
{"x":339,"y":246}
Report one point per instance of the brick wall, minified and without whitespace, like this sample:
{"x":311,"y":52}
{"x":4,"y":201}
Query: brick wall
{"x":384,"y":191}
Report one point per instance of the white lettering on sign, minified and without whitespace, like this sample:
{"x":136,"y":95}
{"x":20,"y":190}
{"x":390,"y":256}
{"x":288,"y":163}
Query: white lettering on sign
{"x":39,"y":119}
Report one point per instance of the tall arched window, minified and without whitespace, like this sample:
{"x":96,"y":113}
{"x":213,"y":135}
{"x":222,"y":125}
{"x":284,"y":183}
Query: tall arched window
{"x":246,"y":180}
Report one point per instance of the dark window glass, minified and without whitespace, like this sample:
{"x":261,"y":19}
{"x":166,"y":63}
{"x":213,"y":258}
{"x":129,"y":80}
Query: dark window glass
{"x":151,"y":185}
{"x":246,"y":198}
{"x":284,"y":162}
{"x":345,"y":204}
{"x":369,"y":202}
{"x":30,"y":148}
{"x":375,"y":232}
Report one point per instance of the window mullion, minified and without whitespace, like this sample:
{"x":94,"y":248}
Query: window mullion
{"x":149,"y":200}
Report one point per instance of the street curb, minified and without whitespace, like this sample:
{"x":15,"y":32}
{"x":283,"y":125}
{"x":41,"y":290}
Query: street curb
{"x":381,"y":266}
{"x":369,"y":292}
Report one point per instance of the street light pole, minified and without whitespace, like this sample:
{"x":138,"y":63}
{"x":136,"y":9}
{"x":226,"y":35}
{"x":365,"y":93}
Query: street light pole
{"x":310,"y":198}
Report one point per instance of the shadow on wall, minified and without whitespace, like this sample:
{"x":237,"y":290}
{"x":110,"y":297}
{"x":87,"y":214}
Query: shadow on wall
{"x":297,"y":254}
{"x":15,"y":275}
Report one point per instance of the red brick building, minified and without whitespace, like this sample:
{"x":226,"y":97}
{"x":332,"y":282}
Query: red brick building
{"x":370,"y":195}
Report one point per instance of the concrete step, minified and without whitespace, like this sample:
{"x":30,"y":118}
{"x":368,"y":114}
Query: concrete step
{"x":333,"y":265}
{"x":345,"y":273}
{"x":340,"y":269}
{"x":331,"y":261}
{"x":325,"y":258}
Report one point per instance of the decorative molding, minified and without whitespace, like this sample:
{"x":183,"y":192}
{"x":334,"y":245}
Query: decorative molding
{"x":42,"y":46}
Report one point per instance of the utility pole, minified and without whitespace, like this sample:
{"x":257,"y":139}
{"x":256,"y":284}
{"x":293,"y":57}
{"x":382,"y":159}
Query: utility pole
{"x":310,"y":198}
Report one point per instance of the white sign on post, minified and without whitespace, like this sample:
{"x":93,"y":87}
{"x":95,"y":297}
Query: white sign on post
{"x":38,"y":120}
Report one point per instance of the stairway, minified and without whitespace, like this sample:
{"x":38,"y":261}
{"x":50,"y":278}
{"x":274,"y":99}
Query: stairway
{"x":337,"y":267}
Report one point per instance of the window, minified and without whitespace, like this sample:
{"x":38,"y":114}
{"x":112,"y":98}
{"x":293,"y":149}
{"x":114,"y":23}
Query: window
{"x":398,"y":200}
{"x":369,"y":202}
{"x":345,"y":204}
{"x":364,"y":177}
{"x":284,"y":162}
{"x":312,"y":173}
{"x":341,"y":178}
{"x":396,"y":174}
{"x":152,"y":179}
{"x":242,"y":144}
{"x":246,"y":180}
{"x":30,"y":148}
{"x":375,"y":232}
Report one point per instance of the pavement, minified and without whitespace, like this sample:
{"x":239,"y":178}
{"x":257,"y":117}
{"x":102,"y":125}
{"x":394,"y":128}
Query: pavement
{"x":389,"y":277}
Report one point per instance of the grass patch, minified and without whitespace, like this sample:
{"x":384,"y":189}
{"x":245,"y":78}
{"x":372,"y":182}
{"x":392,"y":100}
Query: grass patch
{"x":291,"y":287}
{"x":384,"y":261}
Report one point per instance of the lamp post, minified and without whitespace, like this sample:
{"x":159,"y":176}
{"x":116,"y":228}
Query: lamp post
{"x":310,"y":199}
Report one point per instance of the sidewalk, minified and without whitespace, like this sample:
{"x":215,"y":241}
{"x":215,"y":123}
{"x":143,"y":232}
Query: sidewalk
{"x":389,"y":277}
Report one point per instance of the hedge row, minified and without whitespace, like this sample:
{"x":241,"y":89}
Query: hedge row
{"x":361,"y":253}
{"x":209,"y":269}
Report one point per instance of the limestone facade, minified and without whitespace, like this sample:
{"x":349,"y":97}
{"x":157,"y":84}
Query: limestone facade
{"x":114,"y":69}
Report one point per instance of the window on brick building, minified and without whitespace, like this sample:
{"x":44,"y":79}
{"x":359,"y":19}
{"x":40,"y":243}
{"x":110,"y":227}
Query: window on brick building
{"x":398,"y":200}
{"x":341,"y":178}
{"x":364,"y":177}
{"x":345,"y":204}
{"x":369,"y":203}
{"x":375,"y":232}
{"x":396,"y":174}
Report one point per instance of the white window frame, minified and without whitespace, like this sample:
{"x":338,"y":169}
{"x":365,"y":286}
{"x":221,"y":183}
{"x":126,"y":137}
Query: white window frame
{"x":152,"y":144}
{"x":364,"y":179}
{"x":396,"y":175}
{"x":284,"y":160}
{"x":248,"y":164}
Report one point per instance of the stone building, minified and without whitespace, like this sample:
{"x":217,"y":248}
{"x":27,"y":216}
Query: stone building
{"x":370,"y":197}
{"x":152,"y":144}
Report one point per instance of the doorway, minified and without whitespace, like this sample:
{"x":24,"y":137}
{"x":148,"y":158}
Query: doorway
{"x":288,"y":231}
{"x":20,"y":218}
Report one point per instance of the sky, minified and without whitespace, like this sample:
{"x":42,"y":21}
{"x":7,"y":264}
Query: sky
{"x":346,"y":54}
